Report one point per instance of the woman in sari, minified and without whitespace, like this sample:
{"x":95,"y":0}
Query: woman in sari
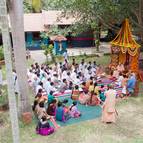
{"x":109,"y":111}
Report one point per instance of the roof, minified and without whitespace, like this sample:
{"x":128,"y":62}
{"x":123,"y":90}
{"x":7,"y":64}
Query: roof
{"x":36,"y":21}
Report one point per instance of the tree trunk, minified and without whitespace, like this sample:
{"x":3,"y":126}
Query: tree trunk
{"x":7,"y":48}
{"x":17,"y":28}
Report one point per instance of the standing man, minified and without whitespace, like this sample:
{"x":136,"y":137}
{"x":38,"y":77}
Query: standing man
{"x":109,"y":112}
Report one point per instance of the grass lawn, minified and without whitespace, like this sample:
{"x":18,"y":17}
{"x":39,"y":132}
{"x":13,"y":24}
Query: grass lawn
{"x":128,"y":129}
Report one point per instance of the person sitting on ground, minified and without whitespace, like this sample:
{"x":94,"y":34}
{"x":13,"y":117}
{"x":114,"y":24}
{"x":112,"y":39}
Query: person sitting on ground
{"x":61,"y":115}
{"x":50,"y":97}
{"x":40,"y":96}
{"x":43,"y":127}
{"x":96,"y":88}
{"x":91,"y":87}
{"x":84,"y":87}
{"x":120,"y":67}
{"x":84,"y":97}
{"x":94,"y":100}
{"x":52,"y":108}
{"x":75,"y":93}
{"x":131,"y":83}
{"x":74,"y":112}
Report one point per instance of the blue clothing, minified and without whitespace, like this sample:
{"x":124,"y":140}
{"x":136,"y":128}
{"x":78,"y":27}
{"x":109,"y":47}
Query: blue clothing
{"x":131,"y":83}
{"x":60,"y":114}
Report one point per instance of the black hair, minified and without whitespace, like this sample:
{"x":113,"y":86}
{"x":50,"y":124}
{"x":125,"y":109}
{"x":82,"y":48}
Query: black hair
{"x":65,"y":101}
{"x":44,"y":118}
{"x":95,"y":84}
{"x":41,"y":104}
{"x":76,"y":86}
{"x":59,"y":104}
{"x":64,"y":80}
{"x":34,"y":105}
{"x":102,"y":86}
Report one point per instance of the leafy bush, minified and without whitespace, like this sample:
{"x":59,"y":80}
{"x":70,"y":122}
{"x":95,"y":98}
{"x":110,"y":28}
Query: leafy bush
{"x":1,"y":53}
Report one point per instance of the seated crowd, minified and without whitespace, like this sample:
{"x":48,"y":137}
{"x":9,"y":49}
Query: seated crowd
{"x":79,"y":81}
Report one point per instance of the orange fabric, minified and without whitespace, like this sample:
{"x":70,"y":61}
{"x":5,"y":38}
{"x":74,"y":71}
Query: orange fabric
{"x":122,"y":58}
{"x":134,"y":65}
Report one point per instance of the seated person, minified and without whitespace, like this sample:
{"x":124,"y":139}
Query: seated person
{"x":52,"y":108}
{"x":84,"y":98}
{"x":91,"y":87}
{"x":74,"y":113}
{"x":119,"y":80}
{"x":75,"y":93}
{"x":50,"y":97}
{"x":84,"y":87}
{"x":40,"y":96}
{"x":61,"y":115}
{"x":43,"y":127}
{"x":131,"y":83}
{"x":120,"y":67}
{"x":94,"y":100}
{"x":96,"y":88}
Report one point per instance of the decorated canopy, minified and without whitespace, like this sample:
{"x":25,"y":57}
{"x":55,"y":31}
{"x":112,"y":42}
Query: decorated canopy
{"x":124,"y":48}
{"x":125,"y":41}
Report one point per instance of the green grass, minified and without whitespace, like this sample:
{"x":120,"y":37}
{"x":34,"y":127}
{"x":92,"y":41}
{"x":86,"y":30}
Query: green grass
{"x":128,"y":129}
{"x":104,"y":60}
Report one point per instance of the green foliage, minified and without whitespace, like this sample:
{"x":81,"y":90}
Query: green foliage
{"x":27,"y":6}
{"x":48,"y":51}
{"x":44,"y":35}
{"x":1,"y":53}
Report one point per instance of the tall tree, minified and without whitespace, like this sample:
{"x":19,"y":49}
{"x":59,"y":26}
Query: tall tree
{"x":18,"y":39}
{"x":8,"y":62}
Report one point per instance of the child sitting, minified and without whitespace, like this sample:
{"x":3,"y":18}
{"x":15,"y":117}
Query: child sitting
{"x":74,"y":111}
{"x":43,"y":127}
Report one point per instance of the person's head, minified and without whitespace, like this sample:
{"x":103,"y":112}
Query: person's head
{"x":51,"y":83}
{"x":111,"y":86}
{"x":74,"y":103}
{"x":95,"y":84}
{"x":102,"y":86}
{"x":84,"y":83}
{"x":77,"y":77}
{"x":91,"y":78}
{"x":59,"y":104}
{"x":94,"y":62}
{"x":64,"y":81}
{"x":49,"y":79}
{"x":70,"y":83}
{"x":41,"y":104}
{"x":54,"y":101}
{"x":41,"y":83}
{"x":65,"y":101}
{"x":76,"y":87}
{"x":51,"y":92}
{"x":91,"y":83}
{"x":40,"y":91}
{"x":99,"y":91}
{"x":89,"y":62}
{"x":44,"y":118}
{"x":68,"y":73}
